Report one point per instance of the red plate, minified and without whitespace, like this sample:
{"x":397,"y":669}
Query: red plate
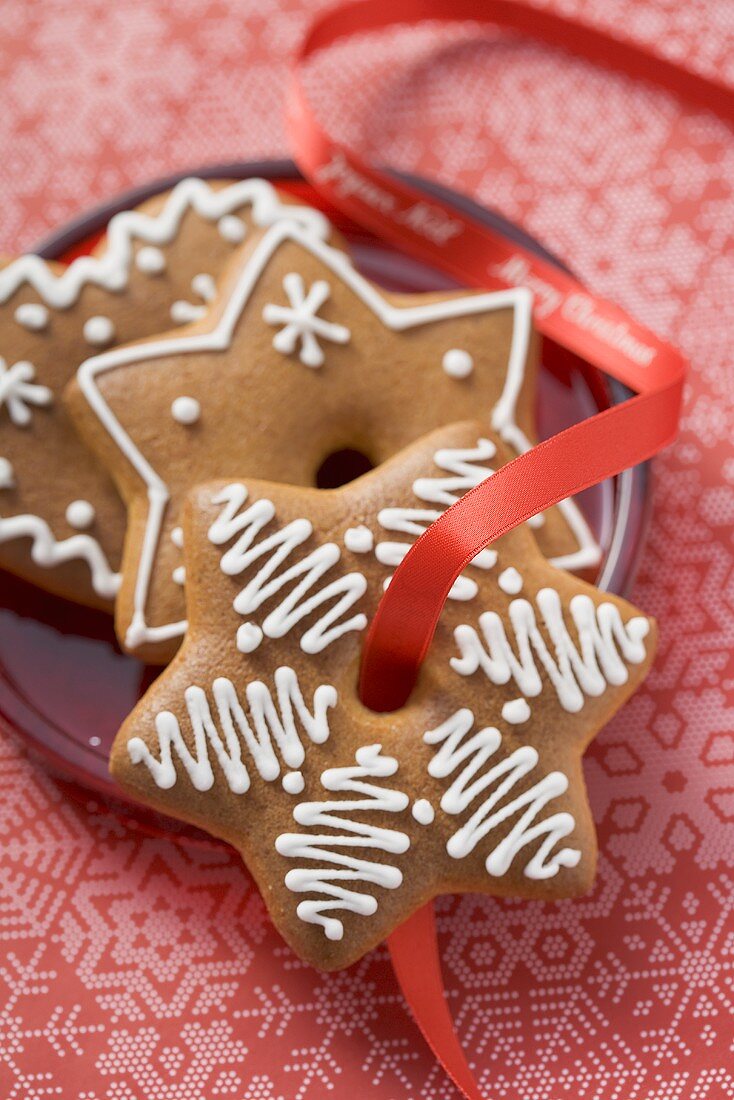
{"x":65,"y":687}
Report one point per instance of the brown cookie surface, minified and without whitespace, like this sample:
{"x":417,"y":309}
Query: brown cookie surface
{"x":299,"y":359}
{"x":61,"y":519}
{"x":348,"y":819}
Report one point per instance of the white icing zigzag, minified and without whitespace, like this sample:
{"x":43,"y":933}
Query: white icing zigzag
{"x":464,"y":474}
{"x":604,"y":644}
{"x":111,"y":270}
{"x":469,"y":755}
{"x":300,"y":576}
{"x":48,"y":551}
{"x":269,"y":727}
{"x":466,"y":468}
{"x":328,"y":847}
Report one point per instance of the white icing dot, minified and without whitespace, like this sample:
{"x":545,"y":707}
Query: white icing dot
{"x":150,"y":260}
{"x":359,"y":540}
{"x":249,"y":637}
{"x":185,"y":410}
{"x":182,"y":312}
{"x":204,"y":286}
{"x":177,"y":537}
{"x":7,"y":474}
{"x":178,"y":576}
{"x":80,"y":514}
{"x":423,"y":811}
{"x":510,"y":581}
{"x":32,"y":315}
{"x":232,"y":228}
{"x":485,"y":559}
{"x":458,"y":363}
{"x":94,"y":741}
{"x":516,"y":711}
{"x":293,"y":782}
{"x":99,"y":331}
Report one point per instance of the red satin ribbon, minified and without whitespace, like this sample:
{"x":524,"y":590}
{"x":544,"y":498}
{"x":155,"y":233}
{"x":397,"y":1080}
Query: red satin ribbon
{"x":571,"y":317}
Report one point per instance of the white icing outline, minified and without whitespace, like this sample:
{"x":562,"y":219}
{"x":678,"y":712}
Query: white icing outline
{"x":588,"y":554}
{"x":111,"y":270}
{"x":397,"y":318}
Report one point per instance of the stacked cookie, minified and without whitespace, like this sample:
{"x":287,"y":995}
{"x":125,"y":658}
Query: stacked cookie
{"x":238,"y":362}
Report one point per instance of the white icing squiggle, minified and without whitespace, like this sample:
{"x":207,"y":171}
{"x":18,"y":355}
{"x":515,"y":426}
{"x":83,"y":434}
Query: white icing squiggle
{"x":269,"y":727}
{"x":48,"y":551}
{"x":111,"y":270}
{"x":471,"y":756}
{"x":464,"y":474}
{"x":301,"y":601}
{"x":326,"y":847}
{"x":574,"y":669}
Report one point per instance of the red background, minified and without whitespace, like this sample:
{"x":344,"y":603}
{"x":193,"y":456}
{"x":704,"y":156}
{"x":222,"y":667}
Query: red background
{"x":138,"y":969}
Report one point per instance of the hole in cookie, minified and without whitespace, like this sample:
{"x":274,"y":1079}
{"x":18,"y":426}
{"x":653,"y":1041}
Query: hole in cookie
{"x":341,"y":467}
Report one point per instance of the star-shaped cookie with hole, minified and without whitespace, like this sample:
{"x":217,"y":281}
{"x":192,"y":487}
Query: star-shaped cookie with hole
{"x":61,"y":519}
{"x":348,"y":819}
{"x":299,"y":359}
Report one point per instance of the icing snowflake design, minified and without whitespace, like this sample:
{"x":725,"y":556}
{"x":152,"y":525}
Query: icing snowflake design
{"x":18,"y":391}
{"x":301,"y":322}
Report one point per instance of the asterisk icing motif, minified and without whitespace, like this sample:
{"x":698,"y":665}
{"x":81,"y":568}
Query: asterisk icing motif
{"x":301,"y":322}
{"x":348,"y":819}
{"x":18,"y":391}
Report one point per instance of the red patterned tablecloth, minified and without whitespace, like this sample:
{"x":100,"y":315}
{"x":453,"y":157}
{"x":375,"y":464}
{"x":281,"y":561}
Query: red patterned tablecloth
{"x":137,"y":969}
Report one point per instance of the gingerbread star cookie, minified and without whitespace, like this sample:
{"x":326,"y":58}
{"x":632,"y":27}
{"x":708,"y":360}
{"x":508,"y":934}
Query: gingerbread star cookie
{"x":299,"y":359}
{"x":61,"y":518}
{"x":348,"y":819}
